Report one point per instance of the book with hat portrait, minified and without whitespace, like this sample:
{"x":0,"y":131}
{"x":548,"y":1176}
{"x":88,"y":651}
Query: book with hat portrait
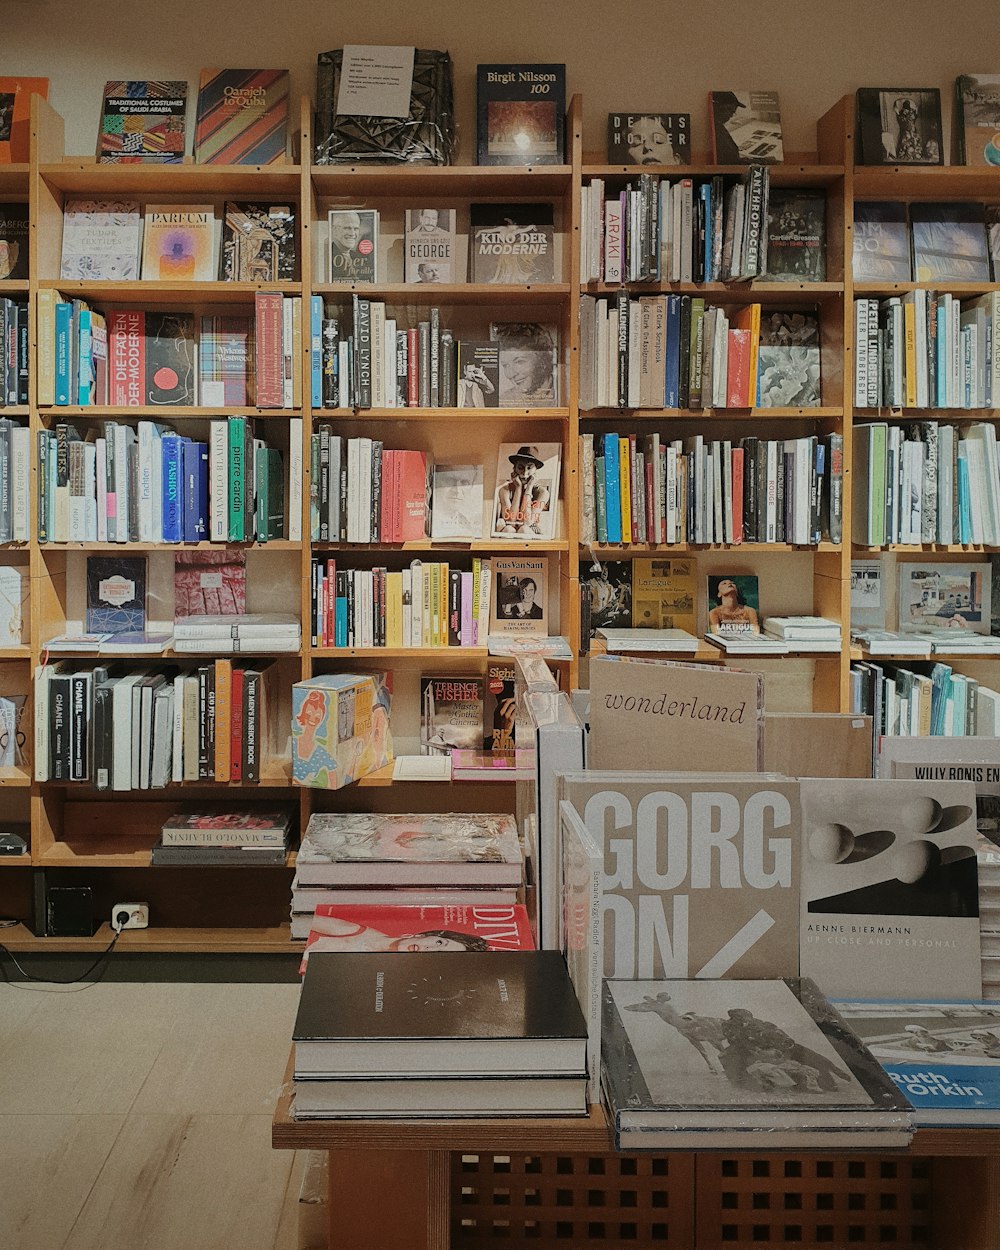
{"x":527,"y":491}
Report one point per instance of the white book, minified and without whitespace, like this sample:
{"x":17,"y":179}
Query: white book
{"x":634,"y":352}
{"x":346,"y":399}
{"x":353,"y":490}
{"x":162,"y":753}
{"x":390,"y":397}
{"x":124,"y":437}
{"x":666,"y":231}
{"x":21,"y":482}
{"x":771,"y":506}
{"x":365,"y":501}
{"x":975,"y":456}
{"x":613,"y":242}
{"x":687,"y":235}
{"x":416,"y":603}
{"x":233,"y":646}
{"x":90,"y":491}
{"x":15,"y":586}
{"x":750,"y":644}
{"x":121,"y":706}
{"x":376,"y":310}
{"x":146,"y":435}
{"x":946,"y":483}
{"x":920,"y":324}
{"x":43,"y":675}
{"x":293,"y":513}
{"x":177,"y":709}
{"x":802,"y":627}
{"x":102,"y":489}
{"x":649,"y":640}
{"x":601,"y":356}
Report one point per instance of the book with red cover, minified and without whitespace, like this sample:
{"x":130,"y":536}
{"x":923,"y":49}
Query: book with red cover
{"x":242,"y":117}
{"x":411,"y":467}
{"x":210,"y":583}
{"x":15,"y":116}
{"x":151,"y":358}
{"x":270,"y":356}
{"x":737,"y":495}
{"x":738,"y":379}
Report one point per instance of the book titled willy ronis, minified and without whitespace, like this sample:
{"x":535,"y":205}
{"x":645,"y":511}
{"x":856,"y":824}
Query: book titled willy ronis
{"x":520,"y":114}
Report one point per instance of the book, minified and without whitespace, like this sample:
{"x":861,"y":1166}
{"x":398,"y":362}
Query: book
{"x":499,"y":721}
{"x":429,"y":254}
{"x":242,"y":117}
{"x":457,"y":502}
{"x":151,"y":358}
{"x":15,"y":593}
{"x":788,"y":368}
{"x":226,"y":828}
{"x":729,"y":1063}
{"x":408,"y":850}
{"x":142,"y":121}
{"x":102,"y":240}
{"x":520,"y":114}
{"x":529,"y":363}
{"x":421,"y":768}
{"x":649,"y":138}
{"x":440,"y":1097}
{"x":796,"y":235}
{"x":899,"y":126}
{"x":607,"y":585}
{"x":511,"y":244}
{"x":663,"y":594}
{"x":218,"y":856}
{"x":745,"y":127}
{"x":258,"y":242}
{"x":13,"y":241}
{"x":134,"y":642}
{"x":977,"y":119}
{"x":249,"y":627}
{"x":210,"y":582}
{"x":478,"y":375}
{"x":340,"y":728}
{"x":226,"y":363}
{"x":735,"y":601}
{"x":178,"y":243}
{"x":500,"y":765}
{"x":881,"y":248}
{"x":116,"y":594}
{"x":15,"y":116}
{"x":649,"y":639}
{"x":889,"y":888}
{"x":451,"y":713}
{"x":949,"y":242}
{"x":946,"y":597}
{"x":353,"y":248}
{"x":520,"y":595}
{"x":527,"y":491}
{"x":581,"y":937}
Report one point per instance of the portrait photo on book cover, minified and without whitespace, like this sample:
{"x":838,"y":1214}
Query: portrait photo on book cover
{"x":734,"y":604}
{"x":353,"y":245}
{"x":900,"y":126}
{"x":959,"y":1033}
{"x":527,"y":491}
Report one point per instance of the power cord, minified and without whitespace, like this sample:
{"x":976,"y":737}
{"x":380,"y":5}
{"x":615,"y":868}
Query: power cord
{"x":101,"y":958}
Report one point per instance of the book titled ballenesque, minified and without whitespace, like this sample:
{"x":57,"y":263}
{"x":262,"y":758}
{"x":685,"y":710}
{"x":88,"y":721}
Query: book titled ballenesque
{"x":719,"y":1064}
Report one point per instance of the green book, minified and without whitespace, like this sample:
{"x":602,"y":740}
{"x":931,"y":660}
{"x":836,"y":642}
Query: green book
{"x":237,"y":479}
{"x":600,"y":499}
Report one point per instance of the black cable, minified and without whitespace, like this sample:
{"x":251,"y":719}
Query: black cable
{"x":101,"y":958}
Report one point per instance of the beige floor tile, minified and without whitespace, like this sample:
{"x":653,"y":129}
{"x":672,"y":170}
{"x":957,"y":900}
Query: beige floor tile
{"x":17,"y":1003}
{"x":287,"y":1236}
{"x":187,"y":1183}
{"x":48,"y":1164}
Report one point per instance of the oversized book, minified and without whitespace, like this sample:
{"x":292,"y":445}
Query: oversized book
{"x":745,"y":127}
{"x":142,"y":121}
{"x":520,"y":114}
{"x":340,"y":728}
{"x":242,"y":117}
{"x":451,"y":713}
{"x":178,"y":243}
{"x":258,"y":242}
{"x":977,"y":119}
{"x":14,"y":242}
{"x":900,"y":126}
{"x":210,"y":582}
{"x":116,"y":594}
{"x":226,"y":828}
{"x":102,"y":240}
{"x":649,"y":138}
{"x":430,"y":244}
{"x":511,"y":244}
{"x":151,"y":358}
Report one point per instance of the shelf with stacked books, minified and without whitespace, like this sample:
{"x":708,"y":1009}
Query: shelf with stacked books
{"x":461,"y":415}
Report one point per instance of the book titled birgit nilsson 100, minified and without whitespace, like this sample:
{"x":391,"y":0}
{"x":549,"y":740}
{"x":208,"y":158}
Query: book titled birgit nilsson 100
{"x":520,"y":114}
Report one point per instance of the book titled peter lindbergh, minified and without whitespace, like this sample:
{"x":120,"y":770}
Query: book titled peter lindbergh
{"x":520,"y":114}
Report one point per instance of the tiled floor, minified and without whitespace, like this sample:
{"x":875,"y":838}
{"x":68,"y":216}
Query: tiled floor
{"x":138,"y":1117}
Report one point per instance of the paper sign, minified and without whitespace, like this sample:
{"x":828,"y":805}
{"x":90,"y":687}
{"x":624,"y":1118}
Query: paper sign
{"x":375,"y":81}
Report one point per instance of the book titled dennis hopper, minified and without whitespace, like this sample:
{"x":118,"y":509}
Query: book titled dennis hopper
{"x":520,"y":114}
{"x":242,"y":117}
{"x":142,"y":121}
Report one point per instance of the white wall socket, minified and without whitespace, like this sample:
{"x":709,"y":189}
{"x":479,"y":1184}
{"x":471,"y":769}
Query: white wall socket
{"x":138,"y":916}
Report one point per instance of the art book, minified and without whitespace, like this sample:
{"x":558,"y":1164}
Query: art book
{"x":142,"y":121}
{"x":977,"y":119}
{"x":478,"y":375}
{"x":151,"y":358}
{"x":734,"y":604}
{"x":258,"y":242}
{"x":427,"y":849}
{"x":607,"y":585}
{"x":945,"y":597}
{"x":520,"y":114}
{"x":340,"y":728}
{"x":226,"y":360}
{"x":102,"y":240}
{"x":890,"y":902}
{"x":526,"y":495}
{"x":210,"y":582}
{"x":457,"y":502}
{"x":796,"y":235}
{"x":788,"y":362}
{"x":745,"y":127}
{"x":499,"y":716}
{"x":226,"y":828}
{"x":242,"y":117}
{"x":520,"y":595}
{"x":13,"y":242}
{"x":649,"y":138}
{"x":451,"y":714}
{"x":938,"y":758}
{"x":15,"y":593}
{"x":663,"y":594}
{"x":15,"y":117}
{"x":179,"y":243}
{"x":353,"y":244}
{"x":529,"y":363}
{"x":511,"y":244}
{"x":429,"y":246}
{"x":116,"y":594}
{"x":949,"y":242}
{"x":881,"y":248}
{"x":701,"y":876}
{"x":900,"y":126}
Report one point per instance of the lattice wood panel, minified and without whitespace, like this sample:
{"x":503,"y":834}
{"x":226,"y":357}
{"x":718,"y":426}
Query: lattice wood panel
{"x":746,"y":1202}
{"x":565,"y":1201}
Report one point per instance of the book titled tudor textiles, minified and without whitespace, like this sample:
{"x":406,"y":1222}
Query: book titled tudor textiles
{"x":142,"y":121}
{"x":242,"y":117}
{"x":520,"y":114}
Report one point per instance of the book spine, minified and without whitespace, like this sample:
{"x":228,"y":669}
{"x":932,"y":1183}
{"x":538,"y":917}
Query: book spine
{"x":236,"y":491}
{"x":251,"y":725}
{"x":268,"y":349}
{"x":363,"y":348}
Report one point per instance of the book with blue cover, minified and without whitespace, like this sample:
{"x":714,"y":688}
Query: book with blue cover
{"x":116,"y":594}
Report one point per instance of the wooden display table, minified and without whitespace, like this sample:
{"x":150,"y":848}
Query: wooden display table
{"x":472,"y":1184}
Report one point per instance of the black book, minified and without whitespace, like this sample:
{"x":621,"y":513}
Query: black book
{"x":439,"y":1013}
{"x":80,"y":684}
{"x":375,"y":512}
{"x":363,"y":350}
{"x":60,"y":750}
{"x":22,"y":354}
{"x":949,"y":242}
{"x":258,"y":242}
{"x":331,"y":362}
{"x":14,"y":242}
{"x":520,"y":114}
{"x":622,"y":303}
{"x":649,"y":138}
{"x":796,"y":235}
{"x":511,"y":243}
{"x":206,"y":681}
{"x":899,"y":126}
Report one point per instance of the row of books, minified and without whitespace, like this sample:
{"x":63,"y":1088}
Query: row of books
{"x":955,"y":241}
{"x":923,"y":699}
{"x":927,"y":349}
{"x":674,"y":351}
{"x":641,"y":489}
{"x":14,"y":354}
{"x":134,"y":358}
{"x":257,"y":633}
{"x":143,"y":729}
{"x":150,"y":484}
{"x":926,"y":483}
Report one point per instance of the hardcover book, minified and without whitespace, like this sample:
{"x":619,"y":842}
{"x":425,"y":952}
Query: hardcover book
{"x":734,"y":604}
{"x":890,"y":902}
{"x":116,"y":594}
{"x":210,"y":583}
{"x":142,"y":121}
{"x":353,"y":244}
{"x":977,"y":119}
{"x":13,"y":242}
{"x":151,"y":358}
{"x":258,"y":242}
{"x":102,"y":240}
{"x":520,"y":595}
{"x":881,"y":249}
{"x":900,"y":126}
{"x":649,"y":138}
{"x":242,"y":117}
{"x":15,"y":592}
{"x":226,"y":361}
{"x":944,"y":597}
{"x":457,"y":502}
{"x":511,"y":244}
{"x":607,"y":585}
{"x":451,"y":714}
{"x":499,"y":718}
{"x":788,"y":362}
{"x":226,"y":828}
{"x":581,"y":936}
{"x":429,"y":246}
{"x":340,"y":728}
{"x":520,"y":114}
{"x":527,"y":491}
{"x":478,"y":375}
{"x":745,"y":127}
{"x":15,"y":117}
{"x":179,"y":243}
{"x":529,"y":363}
{"x":796,"y":235}
{"x":358,"y":848}
{"x":663,"y":594}
{"x":949,"y":242}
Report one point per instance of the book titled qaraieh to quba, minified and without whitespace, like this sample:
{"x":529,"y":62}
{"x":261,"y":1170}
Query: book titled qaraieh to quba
{"x":242,"y":117}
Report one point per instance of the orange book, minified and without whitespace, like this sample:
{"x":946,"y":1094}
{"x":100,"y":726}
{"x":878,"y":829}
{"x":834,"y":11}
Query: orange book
{"x":748,"y":318}
{"x":223,"y":719}
{"x":625,"y":487}
{"x":15,"y":116}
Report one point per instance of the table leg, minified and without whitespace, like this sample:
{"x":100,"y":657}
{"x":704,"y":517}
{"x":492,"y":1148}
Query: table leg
{"x":389,"y":1199}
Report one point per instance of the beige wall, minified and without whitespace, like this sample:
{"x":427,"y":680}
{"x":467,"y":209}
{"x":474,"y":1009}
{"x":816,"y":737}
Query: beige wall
{"x":643,"y":54}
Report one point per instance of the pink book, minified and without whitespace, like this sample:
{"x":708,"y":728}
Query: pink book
{"x":738,"y":380}
{"x":210,"y":583}
{"x":466,"y":627}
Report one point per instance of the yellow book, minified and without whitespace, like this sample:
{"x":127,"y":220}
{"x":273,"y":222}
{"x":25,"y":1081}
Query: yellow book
{"x":47,"y":300}
{"x":910,"y":346}
{"x":748,"y":318}
{"x":477,"y":581}
{"x":426,"y":623}
{"x":223,"y":718}
{"x":394,"y":609}
{"x":625,"y":480}
{"x":435,"y":609}
{"x":442,"y":605}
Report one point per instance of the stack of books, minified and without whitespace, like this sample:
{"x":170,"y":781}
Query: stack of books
{"x":219,"y":635}
{"x":439,"y":1034}
{"x":224,"y":838}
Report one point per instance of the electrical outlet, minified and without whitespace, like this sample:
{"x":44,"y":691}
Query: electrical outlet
{"x":129,"y":916}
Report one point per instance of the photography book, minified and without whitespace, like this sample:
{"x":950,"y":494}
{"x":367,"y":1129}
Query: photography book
{"x":353,"y":244}
{"x":520,"y":114}
{"x":881,"y":250}
{"x":451,"y":713}
{"x":649,"y":138}
{"x":663,"y":593}
{"x":796,"y":235}
{"x":745,"y":127}
{"x":788,"y":361}
{"x":429,"y":254}
{"x":226,"y":828}
{"x":526,"y":496}
{"x":457,"y":502}
{"x":606,"y":594}
{"x":899,"y":126}
{"x":14,"y":242}
{"x":520,"y":595}
{"x":242,"y":117}
{"x":977,"y":119}
{"x":258,"y":242}
{"x":116,"y":594}
{"x":178,"y":243}
{"x":478,"y":374}
{"x":949,"y":242}
{"x":142,"y":122}
{"x":511,"y":244}
{"x":102,"y":240}
{"x":734,"y":604}
{"x":944,"y":597}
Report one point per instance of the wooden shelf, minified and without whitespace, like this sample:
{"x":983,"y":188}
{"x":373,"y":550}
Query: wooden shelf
{"x":184,"y":294}
{"x":266,"y":941}
{"x":968,"y":549}
{"x":78,"y":174}
{"x":146,"y":657}
{"x":13,"y":286}
{"x":14,"y":861}
{"x":14,"y":179}
{"x":623,"y":550}
{"x":925,"y":414}
{"x":15,"y":653}
{"x":713,"y":414}
{"x":464,"y":415}
{"x":792,"y":174}
{"x":926,"y":182}
{"x":14,"y":777}
{"x":100,"y":412}
{"x":275,"y":775}
{"x":447,"y":295}
{"x":275,"y":544}
{"x":454,"y":654}
{"x":901,"y":288}
{"x":486,"y":545}
{"x":362,"y":183}
{"x":758,"y":291}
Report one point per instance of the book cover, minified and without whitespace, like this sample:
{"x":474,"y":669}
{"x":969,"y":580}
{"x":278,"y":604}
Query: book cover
{"x":527,"y":491}
{"x":15,"y":591}
{"x":796,"y":235}
{"x":242,"y":117}
{"x":353,"y":244}
{"x":451,"y":713}
{"x":734,"y":604}
{"x":178,"y":243}
{"x":900,"y":126}
{"x":675,"y":907}
{"x":340,"y":728}
{"x":788,"y":361}
{"x":478,"y":375}
{"x":142,"y":121}
{"x":226,"y":828}
{"x":881,"y":248}
{"x":745,"y":127}
{"x":15,"y":117}
{"x":457,"y":502}
{"x":977,"y":119}
{"x":609,"y":588}
{"x":945,"y":597}
{"x":529,"y":363}
{"x":225,"y":361}
{"x":102,"y":240}
{"x":663,"y":594}
{"x":511,"y":244}
{"x":13,"y":242}
{"x":949,"y":242}
{"x":429,"y":246}
{"x":890,"y":902}
{"x":649,"y":138}
{"x":499,"y":716}
{"x":258,"y":242}
{"x":116,"y":594}
{"x":581,"y":936}
{"x":520,"y":595}
{"x":210,"y":583}
{"x":520,"y":114}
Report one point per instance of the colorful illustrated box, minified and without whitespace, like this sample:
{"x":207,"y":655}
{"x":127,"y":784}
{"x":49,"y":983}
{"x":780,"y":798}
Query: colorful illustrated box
{"x":340,"y":728}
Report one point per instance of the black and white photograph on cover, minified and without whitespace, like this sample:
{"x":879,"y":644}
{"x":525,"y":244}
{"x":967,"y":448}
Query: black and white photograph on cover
{"x":429,"y":246}
{"x":649,"y":138}
{"x":353,"y":244}
{"x":478,"y":375}
{"x":457,"y":502}
{"x":511,"y":244}
{"x":734,"y":604}
{"x":520,"y":595}
{"x":796,"y":235}
{"x":966,"y":1033}
{"x":788,"y":369}
{"x":881,"y":241}
{"x":609,"y":588}
{"x":529,"y":363}
{"x":746,"y":127}
{"x":900,"y":126}
{"x":527,"y":490}
{"x":978,"y":118}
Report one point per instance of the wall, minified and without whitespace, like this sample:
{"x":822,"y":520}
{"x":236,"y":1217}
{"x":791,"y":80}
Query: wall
{"x":643,"y":54}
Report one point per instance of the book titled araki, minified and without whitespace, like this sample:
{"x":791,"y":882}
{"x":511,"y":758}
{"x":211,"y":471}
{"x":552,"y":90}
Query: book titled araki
{"x":520,"y":114}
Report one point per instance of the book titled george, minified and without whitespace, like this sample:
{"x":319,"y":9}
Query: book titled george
{"x":242,"y":117}
{"x":102,"y":240}
{"x":520,"y":114}
{"x":430,"y":246}
{"x":502,"y":1013}
{"x":142,"y":121}
{"x":178,"y":243}
{"x":428,"y":849}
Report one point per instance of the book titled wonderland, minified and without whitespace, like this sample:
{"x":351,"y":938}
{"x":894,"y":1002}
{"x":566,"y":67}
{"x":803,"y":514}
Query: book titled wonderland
{"x":116,"y":594}
{"x":242,"y":117}
{"x":142,"y":121}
